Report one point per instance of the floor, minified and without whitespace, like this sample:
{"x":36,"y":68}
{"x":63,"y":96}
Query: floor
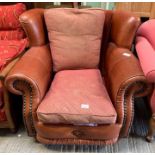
{"x":136,"y":143}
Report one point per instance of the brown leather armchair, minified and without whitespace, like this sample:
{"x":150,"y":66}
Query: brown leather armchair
{"x":33,"y":74}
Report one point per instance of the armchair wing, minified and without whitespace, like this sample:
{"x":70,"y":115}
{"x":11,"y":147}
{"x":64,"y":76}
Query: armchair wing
{"x":34,"y":26}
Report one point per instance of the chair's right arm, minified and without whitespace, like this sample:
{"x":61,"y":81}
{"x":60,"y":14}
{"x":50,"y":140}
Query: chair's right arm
{"x":124,"y":80}
{"x":31,"y":75}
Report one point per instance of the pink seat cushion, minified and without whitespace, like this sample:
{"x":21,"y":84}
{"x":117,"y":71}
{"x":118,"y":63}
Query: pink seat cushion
{"x":77,"y":97}
{"x":75,"y":34}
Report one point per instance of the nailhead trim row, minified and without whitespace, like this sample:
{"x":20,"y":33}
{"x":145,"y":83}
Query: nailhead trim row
{"x":24,"y":104}
{"x":30,"y":88}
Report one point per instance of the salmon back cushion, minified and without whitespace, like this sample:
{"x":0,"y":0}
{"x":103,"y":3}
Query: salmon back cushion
{"x":9,"y":16}
{"x":75,"y":37}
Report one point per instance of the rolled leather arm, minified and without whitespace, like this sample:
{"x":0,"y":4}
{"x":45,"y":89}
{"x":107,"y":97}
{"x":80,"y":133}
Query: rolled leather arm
{"x":33,"y":23}
{"x":122,"y":67}
{"x":34,"y":68}
{"x":30,"y":77}
{"x":124,"y":77}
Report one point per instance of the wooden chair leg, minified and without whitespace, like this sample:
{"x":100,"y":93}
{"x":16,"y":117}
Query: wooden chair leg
{"x":36,"y":140}
{"x":7,"y":107}
{"x":13,"y":130}
{"x":151,"y":132}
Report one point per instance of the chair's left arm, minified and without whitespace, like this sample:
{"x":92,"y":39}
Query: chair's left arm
{"x":31,"y":77}
{"x":124,"y":79}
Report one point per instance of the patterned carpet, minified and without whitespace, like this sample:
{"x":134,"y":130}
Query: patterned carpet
{"x":20,"y":142}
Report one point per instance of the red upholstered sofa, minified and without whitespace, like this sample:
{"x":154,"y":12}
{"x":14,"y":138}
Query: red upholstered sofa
{"x":80,"y":86}
{"x":145,"y":47}
{"x":13,"y":42}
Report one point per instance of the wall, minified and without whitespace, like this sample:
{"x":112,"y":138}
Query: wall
{"x":104,"y":5}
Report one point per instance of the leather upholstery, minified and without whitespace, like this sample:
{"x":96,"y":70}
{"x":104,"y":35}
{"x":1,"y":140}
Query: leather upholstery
{"x":35,"y":28}
{"x":123,"y":28}
{"x":105,"y":134}
{"x":123,"y":78}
